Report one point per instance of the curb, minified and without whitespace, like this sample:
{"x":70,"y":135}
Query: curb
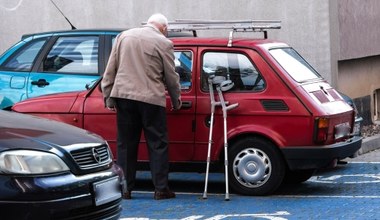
{"x":370,"y":144}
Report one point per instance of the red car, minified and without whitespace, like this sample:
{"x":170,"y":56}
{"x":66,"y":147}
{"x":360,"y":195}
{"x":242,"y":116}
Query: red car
{"x":289,"y":121}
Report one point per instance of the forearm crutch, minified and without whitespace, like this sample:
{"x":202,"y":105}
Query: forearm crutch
{"x":221,"y":85}
{"x":225,"y":86}
{"x":210,"y":81}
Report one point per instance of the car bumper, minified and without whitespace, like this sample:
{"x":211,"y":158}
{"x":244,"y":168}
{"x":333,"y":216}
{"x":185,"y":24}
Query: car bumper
{"x":358,"y":126}
{"x":64,"y":196}
{"x":299,"y":158}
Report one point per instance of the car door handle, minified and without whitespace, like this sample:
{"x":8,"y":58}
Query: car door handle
{"x":186,"y":104}
{"x":40,"y":83}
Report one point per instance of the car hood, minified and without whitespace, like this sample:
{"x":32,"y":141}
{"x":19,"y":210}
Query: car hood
{"x":19,"y":131}
{"x":53,"y":103}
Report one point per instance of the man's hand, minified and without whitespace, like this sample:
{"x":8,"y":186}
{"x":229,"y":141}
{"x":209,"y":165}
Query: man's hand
{"x":110,"y":104}
{"x":178,"y":106}
{"x":111,"y":109}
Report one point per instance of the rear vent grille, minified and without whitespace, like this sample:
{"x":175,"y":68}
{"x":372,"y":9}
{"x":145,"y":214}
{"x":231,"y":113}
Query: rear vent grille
{"x":92,"y":157}
{"x":320,"y":95}
{"x":334,"y":94}
{"x":274,"y":105}
{"x":323,"y":97}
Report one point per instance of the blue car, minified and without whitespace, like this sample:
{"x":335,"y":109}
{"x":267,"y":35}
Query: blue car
{"x":53,"y":62}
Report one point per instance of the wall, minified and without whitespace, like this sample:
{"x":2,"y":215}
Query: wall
{"x":359,"y":79}
{"x":359,"y":60}
{"x":359,"y":28}
{"x":305,"y":23}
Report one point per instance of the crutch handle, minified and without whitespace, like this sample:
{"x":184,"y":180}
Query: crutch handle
{"x":232,"y":106}
{"x":226,"y":85}
{"x":217,"y":80}
{"x":216,"y":103}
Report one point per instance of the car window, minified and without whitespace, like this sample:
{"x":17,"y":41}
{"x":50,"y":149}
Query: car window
{"x":23,"y":59}
{"x":183,"y":66}
{"x":233,"y":66}
{"x":73,"y":55}
{"x":294,"y":64}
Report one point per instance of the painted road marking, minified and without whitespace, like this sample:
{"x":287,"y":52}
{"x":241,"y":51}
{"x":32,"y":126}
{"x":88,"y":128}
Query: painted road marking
{"x":280,"y":215}
{"x":326,"y":196}
{"x":347,"y":179}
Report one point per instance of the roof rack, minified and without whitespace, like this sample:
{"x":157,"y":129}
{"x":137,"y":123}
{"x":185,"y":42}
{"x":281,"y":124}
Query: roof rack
{"x":233,"y":26}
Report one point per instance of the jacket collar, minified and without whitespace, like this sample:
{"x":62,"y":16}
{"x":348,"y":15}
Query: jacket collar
{"x":152,"y":26}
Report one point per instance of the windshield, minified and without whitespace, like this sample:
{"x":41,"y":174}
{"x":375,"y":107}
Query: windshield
{"x":294,"y":64}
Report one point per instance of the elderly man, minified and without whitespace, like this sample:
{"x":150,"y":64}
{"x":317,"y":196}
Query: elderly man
{"x":141,"y":64}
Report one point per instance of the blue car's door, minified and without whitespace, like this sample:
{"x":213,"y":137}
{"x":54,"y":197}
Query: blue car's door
{"x":15,"y":67}
{"x":69,"y":64}
{"x":52,"y":63}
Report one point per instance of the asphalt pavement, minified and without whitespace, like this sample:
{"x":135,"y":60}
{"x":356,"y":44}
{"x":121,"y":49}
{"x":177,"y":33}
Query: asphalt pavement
{"x":349,"y":191}
{"x":369,"y":144}
{"x":369,"y":152}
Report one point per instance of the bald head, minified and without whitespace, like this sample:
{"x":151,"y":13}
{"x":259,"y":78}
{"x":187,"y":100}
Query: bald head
{"x":158,"y":19}
{"x":160,"y":22}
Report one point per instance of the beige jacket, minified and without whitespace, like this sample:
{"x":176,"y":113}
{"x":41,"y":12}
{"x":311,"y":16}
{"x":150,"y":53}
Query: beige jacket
{"x":141,"y":63}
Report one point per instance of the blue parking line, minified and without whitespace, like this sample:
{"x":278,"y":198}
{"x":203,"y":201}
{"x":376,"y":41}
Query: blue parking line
{"x":352,"y":193}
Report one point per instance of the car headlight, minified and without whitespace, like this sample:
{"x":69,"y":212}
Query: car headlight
{"x":30,"y":162}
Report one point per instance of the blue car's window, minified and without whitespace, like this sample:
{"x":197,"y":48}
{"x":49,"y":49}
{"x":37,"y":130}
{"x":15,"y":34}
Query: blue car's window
{"x":234,"y":66}
{"x":73,"y":55}
{"x":183,"y":66}
{"x":24,"y":58}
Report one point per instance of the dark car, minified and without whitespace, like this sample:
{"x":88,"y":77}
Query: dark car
{"x":358,"y":119}
{"x":51,"y":170}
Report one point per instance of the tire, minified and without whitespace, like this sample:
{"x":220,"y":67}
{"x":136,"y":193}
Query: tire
{"x":298,"y":176}
{"x":256,"y":167}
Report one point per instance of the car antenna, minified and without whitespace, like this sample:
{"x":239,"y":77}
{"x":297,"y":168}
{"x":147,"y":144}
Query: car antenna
{"x":72,"y":26}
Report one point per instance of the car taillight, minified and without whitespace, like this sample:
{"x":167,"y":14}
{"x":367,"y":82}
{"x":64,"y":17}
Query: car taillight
{"x":321,"y":129}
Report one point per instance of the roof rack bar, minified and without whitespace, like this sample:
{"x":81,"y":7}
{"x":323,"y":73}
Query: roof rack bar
{"x":232,"y":25}
{"x":236,"y":25}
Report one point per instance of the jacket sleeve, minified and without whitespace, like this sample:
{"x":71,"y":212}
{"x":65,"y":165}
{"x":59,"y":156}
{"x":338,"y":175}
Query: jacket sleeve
{"x":109,"y":75}
{"x":171,"y":77}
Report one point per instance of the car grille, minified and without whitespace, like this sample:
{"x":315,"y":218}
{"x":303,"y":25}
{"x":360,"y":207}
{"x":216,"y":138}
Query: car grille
{"x":274,"y":105}
{"x":92,"y":157}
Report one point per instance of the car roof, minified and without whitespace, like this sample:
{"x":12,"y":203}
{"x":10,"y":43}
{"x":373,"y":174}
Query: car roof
{"x":73,"y":31}
{"x":96,"y":31}
{"x":181,"y":38}
{"x":223,"y":41}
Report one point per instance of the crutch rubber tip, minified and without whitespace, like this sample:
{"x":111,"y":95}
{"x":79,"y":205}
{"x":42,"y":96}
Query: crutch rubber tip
{"x":204,"y":195}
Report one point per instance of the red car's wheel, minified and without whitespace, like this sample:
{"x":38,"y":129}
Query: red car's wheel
{"x":256,"y":167}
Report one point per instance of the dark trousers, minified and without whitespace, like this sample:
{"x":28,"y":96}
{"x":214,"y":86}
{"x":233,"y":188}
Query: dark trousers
{"x":133,"y":117}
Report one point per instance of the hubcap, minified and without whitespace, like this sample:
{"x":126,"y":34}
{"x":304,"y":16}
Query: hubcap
{"x":252,"y":167}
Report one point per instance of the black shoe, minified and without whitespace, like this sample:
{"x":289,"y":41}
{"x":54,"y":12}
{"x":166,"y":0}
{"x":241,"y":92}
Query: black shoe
{"x":127,"y":195}
{"x":167,"y":194}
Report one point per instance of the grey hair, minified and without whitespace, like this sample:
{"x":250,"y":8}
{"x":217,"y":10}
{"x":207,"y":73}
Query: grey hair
{"x":158,"y":18}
